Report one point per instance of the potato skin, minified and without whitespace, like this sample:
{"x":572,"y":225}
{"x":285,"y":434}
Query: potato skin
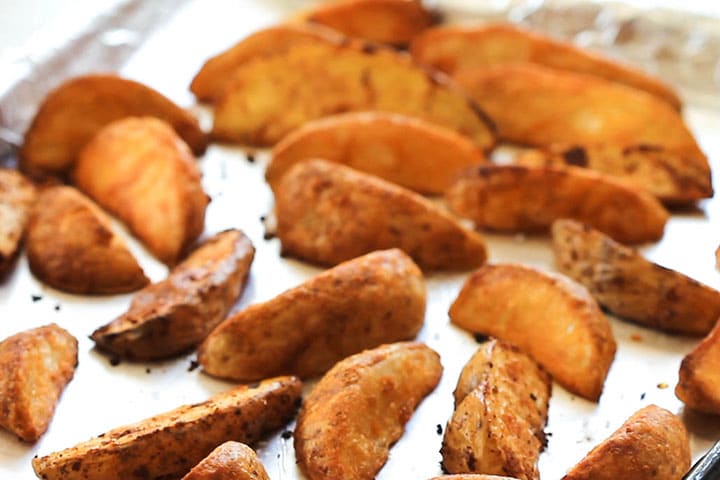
{"x":35,"y":367}
{"x":170,"y":444}
{"x":359,"y":409}
{"x":17,"y":196}
{"x":699,"y":379}
{"x":315,"y":199}
{"x":229,"y":461}
{"x":362,"y":303}
{"x":630,"y":286}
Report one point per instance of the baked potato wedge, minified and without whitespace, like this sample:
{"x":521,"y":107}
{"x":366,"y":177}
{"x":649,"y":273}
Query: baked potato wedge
{"x":176,"y":314}
{"x":628,"y":285}
{"x":71,"y":246}
{"x":405,"y":150}
{"x":516,"y":198}
{"x":74,"y":112}
{"x":699,"y":378}
{"x":17,"y":196}
{"x":262,"y":103}
{"x":550,"y":317}
{"x":142,"y":172}
{"x":453,"y":49}
{"x":315,"y":199}
{"x":359,"y":409}
{"x":471,"y":476}
{"x":170,"y":444}
{"x":229,"y":461}
{"x":362,"y":303}
{"x":651,"y":445}
{"x":35,"y":367}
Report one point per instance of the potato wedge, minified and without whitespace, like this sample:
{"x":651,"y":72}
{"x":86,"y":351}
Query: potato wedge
{"x":262,"y":103}
{"x":549,"y":316}
{"x":176,"y":314}
{"x":17,"y":196}
{"x":453,"y":49}
{"x":471,"y":476}
{"x":362,"y":303}
{"x":699,"y":383}
{"x":515,"y":198}
{"x":170,"y":444}
{"x":71,"y":246}
{"x":405,"y":150}
{"x":630,"y":286}
{"x":501,"y":410}
{"x":359,"y":409}
{"x":315,"y":199}
{"x":75,"y":111}
{"x":35,"y":367}
{"x":229,"y":461}
{"x":651,"y":445}
{"x":142,"y":172}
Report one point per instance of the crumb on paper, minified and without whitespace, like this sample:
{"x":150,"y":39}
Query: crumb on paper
{"x":662,"y":385}
{"x":287,"y":434}
{"x":438,"y":429}
{"x":193,"y":365}
{"x":636,"y":337}
{"x":36,"y":298}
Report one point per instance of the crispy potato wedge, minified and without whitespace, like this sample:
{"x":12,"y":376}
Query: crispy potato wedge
{"x":501,"y":410}
{"x":315,"y":199}
{"x":262,"y":103}
{"x":453,"y":49}
{"x":176,"y":314}
{"x":229,"y":461}
{"x":359,"y":409}
{"x":143,"y":173}
{"x":549,"y":316}
{"x":71,"y":246}
{"x":699,"y":383}
{"x":515,"y":198}
{"x":651,"y":445}
{"x":73,"y":113}
{"x":17,"y":196}
{"x":362,"y":303}
{"x":35,"y":367}
{"x":170,"y":444}
{"x":630,"y":286}
{"x":471,"y":476}
{"x":405,"y":150}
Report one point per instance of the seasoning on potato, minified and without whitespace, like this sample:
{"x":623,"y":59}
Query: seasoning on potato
{"x":229,"y":461}
{"x":699,"y":378}
{"x":17,"y":196}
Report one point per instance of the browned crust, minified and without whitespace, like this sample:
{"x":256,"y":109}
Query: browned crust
{"x":229,"y":461}
{"x":699,"y":380}
{"x":17,"y":196}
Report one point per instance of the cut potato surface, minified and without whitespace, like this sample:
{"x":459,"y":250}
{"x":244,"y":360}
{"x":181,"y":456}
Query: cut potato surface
{"x":17,"y":196}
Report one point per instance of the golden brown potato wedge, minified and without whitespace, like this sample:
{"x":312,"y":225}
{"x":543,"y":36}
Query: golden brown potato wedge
{"x":315,"y":200}
{"x":453,"y":49}
{"x":71,"y":246}
{"x":374,"y":299}
{"x":74,"y":112}
{"x":515,"y":198}
{"x":35,"y":367}
{"x":405,"y":150}
{"x":176,"y":314}
{"x":262,"y":102}
{"x":142,"y":172}
{"x":651,"y":445}
{"x":699,"y":383}
{"x":471,"y":476}
{"x":17,"y":196}
{"x":501,"y":410}
{"x":630,"y":286}
{"x":229,"y":461}
{"x":549,"y":316}
{"x":359,"y":409}
{"x":170,"y":444}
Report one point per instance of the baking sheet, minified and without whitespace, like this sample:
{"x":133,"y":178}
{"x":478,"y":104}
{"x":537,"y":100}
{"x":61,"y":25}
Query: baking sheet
{"x":102,"y":396}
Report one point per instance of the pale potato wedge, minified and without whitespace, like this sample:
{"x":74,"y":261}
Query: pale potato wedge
{"x":143,"y":173}
{"x":71,"y":246}
{"x":359,"y":409}
{"x":453,"y":49}
{"x":501,"y":410}
{"x":651,"y":445}
{"x":176,"y":314}
{"x":17,"y":196}
{"x":229,"y":461}
{"x":411,"y":152}
{"x":263,"y":102}
{"x":550,"y":317}
{"x":516,"y":198}
{"x":699,"y":383}
{"x":630,"y":286}
{"x":362,"y":303}
{"x":74,"y":112}
{"x":35,"y":367}
{"x":170,"y":444}
{"x":315,"y":199}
